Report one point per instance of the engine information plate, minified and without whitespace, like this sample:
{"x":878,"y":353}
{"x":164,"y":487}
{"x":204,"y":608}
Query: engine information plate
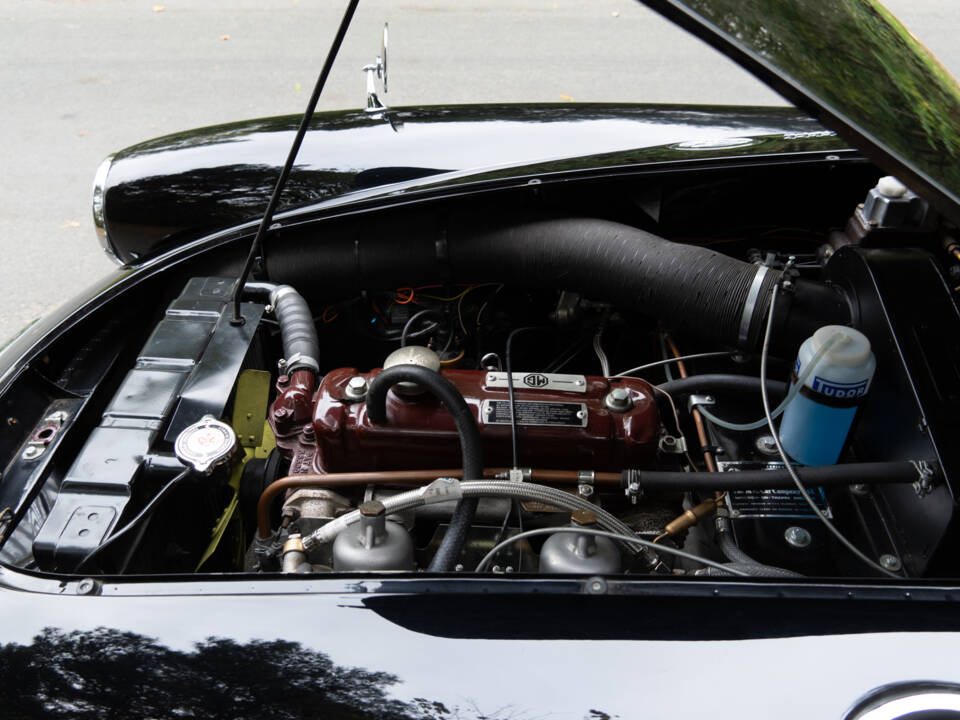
{"x":780,"y":503}
{"x":538,"y":381}
{"x":529,"y":412}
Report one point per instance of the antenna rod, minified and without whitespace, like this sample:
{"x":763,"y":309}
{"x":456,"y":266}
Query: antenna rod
{"x":267,"y":219}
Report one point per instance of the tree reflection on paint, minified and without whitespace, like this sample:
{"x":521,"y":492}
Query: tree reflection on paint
{"x":107,"y":673}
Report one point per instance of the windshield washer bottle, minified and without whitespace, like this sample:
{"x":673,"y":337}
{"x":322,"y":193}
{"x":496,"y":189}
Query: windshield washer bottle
{"x":817,"y":420}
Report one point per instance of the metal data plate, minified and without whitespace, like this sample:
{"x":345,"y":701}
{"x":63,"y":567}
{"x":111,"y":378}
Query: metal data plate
{"x":528,"y":412}
{"x":539,"y":381}
{"x":781,"y":503}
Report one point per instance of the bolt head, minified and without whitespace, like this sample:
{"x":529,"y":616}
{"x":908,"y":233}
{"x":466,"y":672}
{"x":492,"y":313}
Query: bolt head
{"x":797,"y":536}
{"x":618,"y":400}
{"x":357,"y":386}
{"x":890,"y":562}
{"x":32,"y":452}
{"x":372,"y":508}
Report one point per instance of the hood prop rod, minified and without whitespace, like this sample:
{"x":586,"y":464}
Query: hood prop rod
{"x":267,"y":219}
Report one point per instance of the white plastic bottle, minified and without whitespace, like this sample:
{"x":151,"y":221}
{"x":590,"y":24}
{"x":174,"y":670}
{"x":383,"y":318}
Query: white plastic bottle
{"x":817,"y":420}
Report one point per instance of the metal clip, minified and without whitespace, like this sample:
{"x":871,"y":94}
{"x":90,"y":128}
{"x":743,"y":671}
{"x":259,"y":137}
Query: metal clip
{"x":519,"y":475}
{"x":585,"y":482}
{"x":695,"y":400}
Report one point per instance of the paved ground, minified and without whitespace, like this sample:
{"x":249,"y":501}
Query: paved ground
{"x":81,"y":78}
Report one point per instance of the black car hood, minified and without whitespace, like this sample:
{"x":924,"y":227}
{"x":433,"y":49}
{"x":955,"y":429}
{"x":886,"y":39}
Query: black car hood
{"x":853,"y":66}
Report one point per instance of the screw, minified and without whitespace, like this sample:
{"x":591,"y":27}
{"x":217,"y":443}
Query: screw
{"x":797,"y":537}
{"x":458,"y":567}
{"x":766,"y":444}
{"x":890,"y":562}
{"x":307,"y":430}
{"x":596,"y":586}
{"x":88,"y":586}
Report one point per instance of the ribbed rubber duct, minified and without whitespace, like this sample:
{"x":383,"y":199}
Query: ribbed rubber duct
{"x":691,"y":289}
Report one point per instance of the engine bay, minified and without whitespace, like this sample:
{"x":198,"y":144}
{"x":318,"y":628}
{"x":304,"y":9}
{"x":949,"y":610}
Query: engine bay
{"x":542,"y":394}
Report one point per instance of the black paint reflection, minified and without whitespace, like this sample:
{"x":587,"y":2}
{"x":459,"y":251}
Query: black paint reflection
{"x":172,"y":189}
{"x":107,"y":673}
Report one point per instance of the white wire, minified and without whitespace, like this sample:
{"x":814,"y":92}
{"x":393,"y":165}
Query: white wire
{"x":601,"y":355}
{"x":613,"y":536}
{"x":783,"y":454}
{"x":670,"y":361}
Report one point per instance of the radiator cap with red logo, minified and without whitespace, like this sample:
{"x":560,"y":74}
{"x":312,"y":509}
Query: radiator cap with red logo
{"x":206,"y":444}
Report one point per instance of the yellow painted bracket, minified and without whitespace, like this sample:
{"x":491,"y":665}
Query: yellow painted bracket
{"x":255,"y":438}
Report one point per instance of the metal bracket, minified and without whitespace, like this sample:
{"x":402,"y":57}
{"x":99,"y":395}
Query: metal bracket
{"x":695,"y":400}
{"x":673,"y":445}
{"x":924,"y":483}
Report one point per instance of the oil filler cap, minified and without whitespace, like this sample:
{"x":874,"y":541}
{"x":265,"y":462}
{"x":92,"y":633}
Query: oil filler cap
{"x":206,"y":444}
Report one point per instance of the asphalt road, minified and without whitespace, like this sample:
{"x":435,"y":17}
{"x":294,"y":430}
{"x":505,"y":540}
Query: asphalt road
{"x":82,"y":78}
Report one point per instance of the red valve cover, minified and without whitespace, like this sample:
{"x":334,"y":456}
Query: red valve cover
{"x":563,"y":423}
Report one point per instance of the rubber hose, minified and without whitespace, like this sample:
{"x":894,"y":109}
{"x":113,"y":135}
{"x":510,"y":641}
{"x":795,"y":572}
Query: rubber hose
{"x":471,"y":446}
{"x":698,"y":291}
{"x":731,"y":551}
{"x":301,"y":348}
{"x":755,"y":569}
{"x":721,"y":383}
{"x":408,"y":327}
{"x":298,"y":332}
{"x":826,"y":475}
